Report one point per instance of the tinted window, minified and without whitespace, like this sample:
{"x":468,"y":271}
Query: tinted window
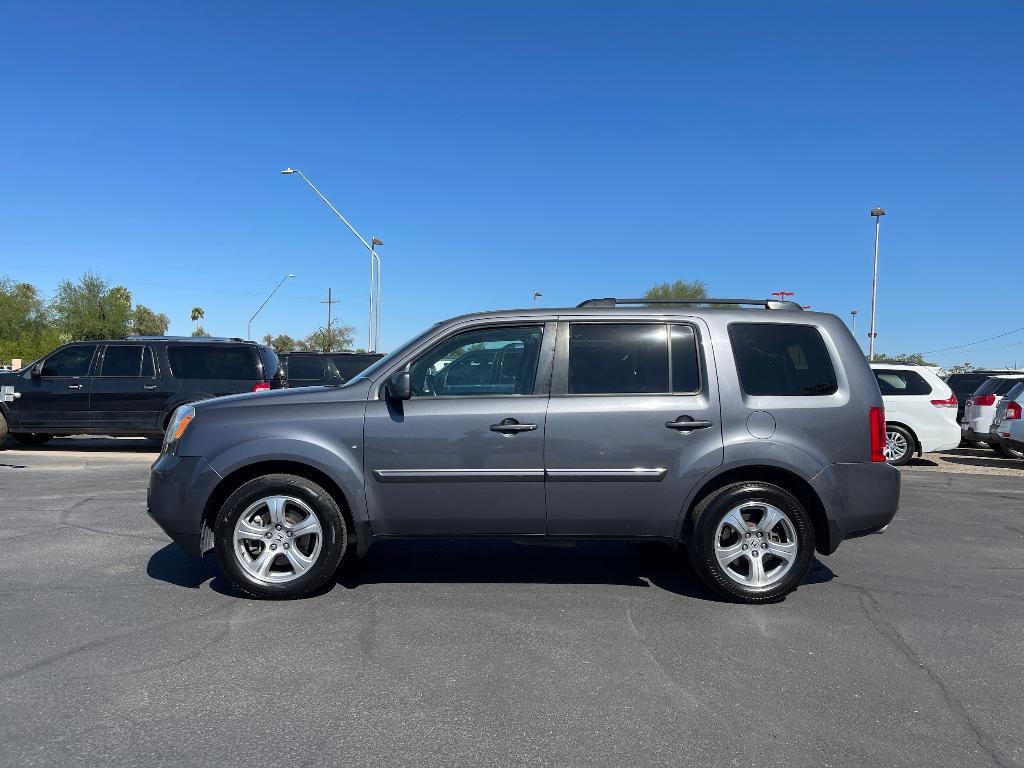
{"x":610,"y":358}
{"x":354,"y":364}
{"x":71,"y":361}
{"x":487,"y":361}
{"x":306,"y":367}
{"x":189,"y":362}
{"x":148,"y":365}
{"x":996,"y":386}
{"x":965,"y":383}
{"x":685,"y":364}
{"x":271,"y":363}
{"x":782,"y":360}
{"x":1005,"y":385}
{"x":897,"y":382}
{"x":122,"y":361}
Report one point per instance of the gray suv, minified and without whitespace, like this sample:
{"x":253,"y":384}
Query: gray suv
{"x":753,"y":437}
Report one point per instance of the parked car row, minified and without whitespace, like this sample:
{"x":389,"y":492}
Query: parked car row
{"x":920,"y":411}
{"x":996,"y":400}
{"x":132,"y":386}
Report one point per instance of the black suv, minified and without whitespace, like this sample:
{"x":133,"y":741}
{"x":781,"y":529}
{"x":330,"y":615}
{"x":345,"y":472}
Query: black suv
{"x":128,"y":386}
{"x":310,"y":369}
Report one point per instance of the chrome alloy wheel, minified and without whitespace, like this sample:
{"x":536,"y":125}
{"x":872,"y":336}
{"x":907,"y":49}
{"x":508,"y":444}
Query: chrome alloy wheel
{"x":896,"y":445}
{"x":756,"y":544}
{"x":277,"y":539}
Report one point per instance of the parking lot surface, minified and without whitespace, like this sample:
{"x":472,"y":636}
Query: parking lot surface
{"x":901,"y":649}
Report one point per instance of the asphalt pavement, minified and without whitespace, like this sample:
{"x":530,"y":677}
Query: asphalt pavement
{"x":902,"y":649}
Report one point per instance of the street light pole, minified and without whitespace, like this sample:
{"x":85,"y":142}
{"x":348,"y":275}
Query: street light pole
{"x":878,"y":213}
{"x":248,"y":328}
{"x":374,"y":258}
{"x":853,"y":322}
{"x":375,"y":303}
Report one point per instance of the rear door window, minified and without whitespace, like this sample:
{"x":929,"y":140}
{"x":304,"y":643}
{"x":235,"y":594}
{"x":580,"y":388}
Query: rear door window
{"x":618,"y":358}
{"x":122,"y":361}
{"x":897,"y":382}
{"x":200,"y":362}
{"x":775,"y":359}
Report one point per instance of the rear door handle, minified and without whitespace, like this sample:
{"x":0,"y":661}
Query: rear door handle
{"x":512,"y":427}
{"x":688,"y":424}
{"x":74,"y":386}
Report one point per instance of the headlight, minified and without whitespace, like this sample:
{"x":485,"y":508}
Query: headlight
{"x":182,"y":417}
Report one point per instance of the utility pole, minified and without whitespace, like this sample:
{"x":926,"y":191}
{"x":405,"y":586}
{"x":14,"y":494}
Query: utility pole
{"x":330,"y":333}
{"x":877,"y":212}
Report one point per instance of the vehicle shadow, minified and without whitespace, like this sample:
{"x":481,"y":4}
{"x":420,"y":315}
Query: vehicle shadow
{"x":137,"y":445}
{"x":496,"y":561}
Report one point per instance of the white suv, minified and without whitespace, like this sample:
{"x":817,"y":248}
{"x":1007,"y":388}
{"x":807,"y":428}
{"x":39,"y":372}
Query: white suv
{"x":980,"y":410}
{"x":920,"y":411}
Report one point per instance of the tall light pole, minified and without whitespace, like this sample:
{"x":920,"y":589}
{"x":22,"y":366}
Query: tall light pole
{"x":853,"y":322}
{"x":248,"y":328}
{"x":878,"y":213}
{"x":374,"y":303}
{"x":374,"y":259}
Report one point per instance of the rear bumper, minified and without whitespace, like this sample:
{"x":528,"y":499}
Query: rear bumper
{"x":864,"y":499}
{"x":969,"y":433}
{"x":179,"y":487}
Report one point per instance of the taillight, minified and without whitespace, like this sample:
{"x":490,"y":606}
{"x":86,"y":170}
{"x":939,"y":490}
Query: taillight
{"x":950,"y":403}
{"x":261,"y":386}
{"x":876,"y":422}
{"x":984,"y":399}
{"x":1013,"y":410}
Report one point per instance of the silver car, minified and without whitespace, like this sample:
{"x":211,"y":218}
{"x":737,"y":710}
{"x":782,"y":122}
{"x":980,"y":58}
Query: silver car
{"x":752,"y":438}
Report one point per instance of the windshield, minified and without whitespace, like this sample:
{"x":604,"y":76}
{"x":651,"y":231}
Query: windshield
{"x":374,"y":370}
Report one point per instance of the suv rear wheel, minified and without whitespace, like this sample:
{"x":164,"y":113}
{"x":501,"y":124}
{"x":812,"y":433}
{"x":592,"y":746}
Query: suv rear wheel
{"x":280,"y":536}
{"x":752,"y":542}
{"x":1008,"y":452}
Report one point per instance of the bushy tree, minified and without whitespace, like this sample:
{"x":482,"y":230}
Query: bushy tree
{"x":283,"y":343}
{"x":199,"y":331}
{"x":337,"y":339}
{"x":146,"y":322}
{"x":25,"y":328}
{"x":906,"y":358}
{"x":680,"y":289}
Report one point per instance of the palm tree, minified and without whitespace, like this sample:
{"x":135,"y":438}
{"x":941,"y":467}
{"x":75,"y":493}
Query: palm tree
{"x":197,"y":315}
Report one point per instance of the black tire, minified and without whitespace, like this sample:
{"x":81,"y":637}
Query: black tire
{"x":334,"y":528}
{"x":32,"y":438}
{"x":974,"y":443}
{"x":908,"y":441}
{"x":3,"y":430}
{"x":1007,"y":451}
{"x":709,"y":515}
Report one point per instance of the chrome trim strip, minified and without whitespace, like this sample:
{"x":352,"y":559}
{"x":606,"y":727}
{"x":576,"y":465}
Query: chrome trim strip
{"x":456,"y":475}
{"x":635,"y":474}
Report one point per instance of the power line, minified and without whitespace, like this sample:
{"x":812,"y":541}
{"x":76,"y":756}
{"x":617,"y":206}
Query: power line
{"x":971,"y":344}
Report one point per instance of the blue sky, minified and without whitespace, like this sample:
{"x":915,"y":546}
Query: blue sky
{"x":580,"y":149}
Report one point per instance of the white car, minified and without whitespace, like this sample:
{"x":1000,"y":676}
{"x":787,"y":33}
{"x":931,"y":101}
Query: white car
{"x":920,"y":411}
{"x":1005,"y":435}
{"x":980,"y":410}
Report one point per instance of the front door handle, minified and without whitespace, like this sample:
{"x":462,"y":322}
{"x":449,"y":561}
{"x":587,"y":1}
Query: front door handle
{"x":149,"y":386}
{"x":74,"y":386}
{"x":688,"y":424}
{"x":512,"y":427}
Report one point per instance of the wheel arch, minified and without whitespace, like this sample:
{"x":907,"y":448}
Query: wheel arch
{"x":910,"y":429}
{"x":783,"y":478}
{"x":241,"y":475}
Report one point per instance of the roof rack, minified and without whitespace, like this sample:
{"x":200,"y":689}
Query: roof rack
{"x":182,"y":338}
{"x":765,"y":303}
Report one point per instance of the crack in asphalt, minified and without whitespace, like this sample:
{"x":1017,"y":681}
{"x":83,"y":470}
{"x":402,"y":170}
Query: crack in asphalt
{"x":82,"y":502}
{"x":887,"y":629}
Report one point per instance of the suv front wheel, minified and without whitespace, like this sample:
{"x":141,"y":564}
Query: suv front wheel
{"x":752,"y":542}
{"x":280,"y":536}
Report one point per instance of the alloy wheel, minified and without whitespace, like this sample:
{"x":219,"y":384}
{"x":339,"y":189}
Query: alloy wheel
{"x":756,"y":544}
{"x":277,"y":539}
{"x":896,"y":445}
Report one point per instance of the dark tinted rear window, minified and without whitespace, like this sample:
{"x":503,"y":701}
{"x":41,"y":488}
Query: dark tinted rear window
{"x":306,"y":367}
{"x":897,"y":382}
{"x":350,"y":366}
{"x":782,"y":360}
{"x":996,"y":387}
{"x":965,"y":383}
{"x":194,"y":362}
{"x":122,"y":361}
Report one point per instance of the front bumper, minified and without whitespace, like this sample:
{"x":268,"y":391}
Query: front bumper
{"x":866,"y":497}
{"x":179,"y":487}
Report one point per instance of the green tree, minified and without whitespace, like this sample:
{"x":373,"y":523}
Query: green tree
{"x":91,"y":309}
{"x":284,"y":343}
{"x":197,"y":315}
{"x":25,"y":328}
{"x":915,"y":358}
{"x":963,"y":367}
{"x":146,"y":322}
{"x":337,"y":339}
{"x":199,"y":331}
{"x":680,"y":289}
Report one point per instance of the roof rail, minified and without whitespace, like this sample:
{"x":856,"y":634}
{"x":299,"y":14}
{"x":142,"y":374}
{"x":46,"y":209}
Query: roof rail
{"x":182,"y":338}
{"x":765,"y":303}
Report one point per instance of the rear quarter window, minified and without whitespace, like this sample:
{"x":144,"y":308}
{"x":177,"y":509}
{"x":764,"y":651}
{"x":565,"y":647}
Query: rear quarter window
{"x":306,"y":368}
{"x":897,"y":382}
{"x":774,"y":359}
{"x":194,"y":362}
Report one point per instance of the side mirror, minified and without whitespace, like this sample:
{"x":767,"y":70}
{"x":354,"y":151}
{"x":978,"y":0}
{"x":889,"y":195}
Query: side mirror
{"x":399,"y":387}
{"x":36,"y":370}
